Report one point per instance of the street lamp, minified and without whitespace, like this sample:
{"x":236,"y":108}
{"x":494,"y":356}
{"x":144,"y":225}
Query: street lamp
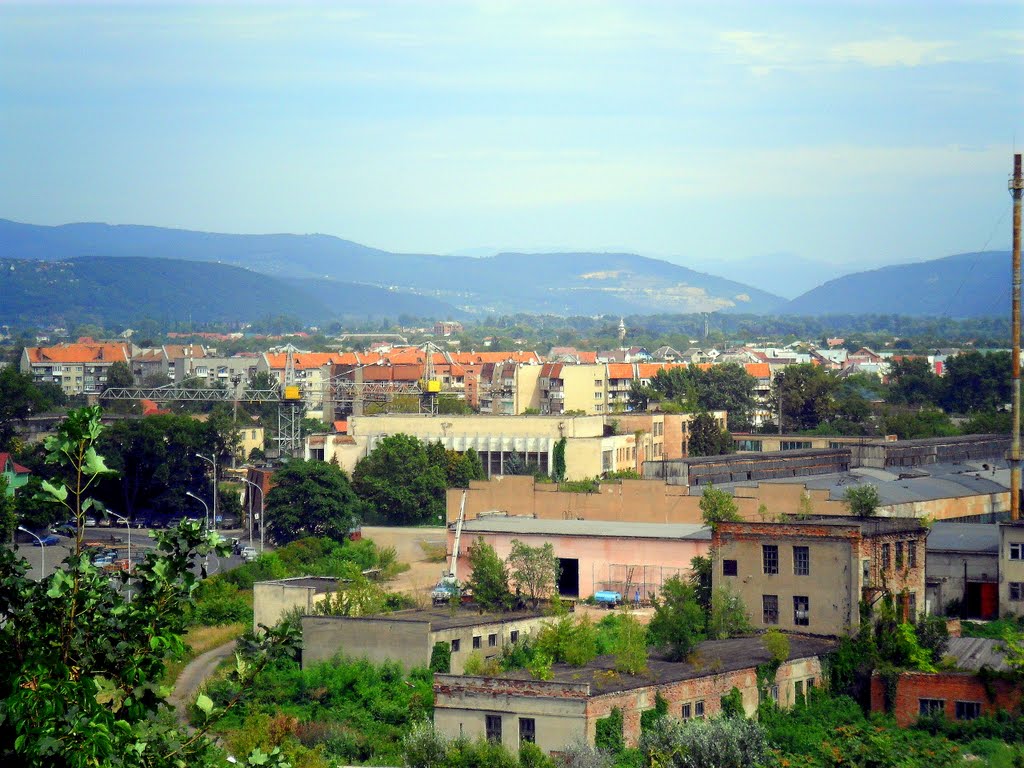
{"x":205,"y":506}
{"x":206,"y":559}
{"x":128,"y":525}
{"x":213,"y":463}
{"x":254,"y":485}
{"x":42,"y":551}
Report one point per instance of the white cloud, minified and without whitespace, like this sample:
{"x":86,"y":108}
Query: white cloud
{"x":893,"y":51}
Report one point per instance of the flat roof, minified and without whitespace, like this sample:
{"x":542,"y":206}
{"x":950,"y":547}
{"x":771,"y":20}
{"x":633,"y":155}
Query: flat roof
{"x":964,"y":537}
{"x":441,"y":617}
{"x":712,"y":657}
{"x":542,"y":527}
{"x":319,"y":583}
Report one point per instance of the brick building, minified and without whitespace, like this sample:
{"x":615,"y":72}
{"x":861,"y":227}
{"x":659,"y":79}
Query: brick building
{"x":810,"y":575}
{"x":555,"y":713}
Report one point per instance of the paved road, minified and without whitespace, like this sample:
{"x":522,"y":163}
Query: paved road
{"x":194,"y":675}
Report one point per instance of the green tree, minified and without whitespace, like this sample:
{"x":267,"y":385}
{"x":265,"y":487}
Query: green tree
{"x":911,"y":425}
{"x":718,"y":506}
{"x":678,"y":622}
{"x":630,"y":649}
{"x":119,"y":375}
{"x":728,"y":387}
{"x":534,"y":570}
{"x":489,"y":580}
{"x":18,"y":398}
{"x":8,"y":519}
{"x":35,"y":509}
{"x":807,"y":393}
{"x":81,"y":672}
{"x":558,"y":470}
{"x":912,"y":381}
{"x":862,"y":500}
{"x":975,"y":381}
{"x":311,"y":498}
{"x":729,"y":616}
{"x":399,"y":483}
{"x":707,"y":439}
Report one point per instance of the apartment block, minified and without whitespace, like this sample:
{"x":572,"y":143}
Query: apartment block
{"x":78,"y":368}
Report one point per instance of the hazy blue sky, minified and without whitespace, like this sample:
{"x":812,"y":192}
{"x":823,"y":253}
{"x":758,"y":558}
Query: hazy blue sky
{"x":865,"y":132}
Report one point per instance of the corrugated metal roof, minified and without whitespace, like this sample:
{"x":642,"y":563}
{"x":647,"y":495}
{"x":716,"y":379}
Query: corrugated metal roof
{"x":540,"y":527}
{"x":972,"y":653}
{"x":964,"y":537}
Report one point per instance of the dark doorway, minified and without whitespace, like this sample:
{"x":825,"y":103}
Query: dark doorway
{"x":568,"y":577}
{"x":982,"y":600}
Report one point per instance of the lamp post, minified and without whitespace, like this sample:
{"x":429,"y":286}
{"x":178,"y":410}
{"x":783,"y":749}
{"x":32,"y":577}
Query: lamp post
{"x":42,"y":551}
{"x":205,"y":506}
{"x":254,"y":485}
{"x":206,"y":558}
{"x":128,"y":525}
{"x":213,"y":463}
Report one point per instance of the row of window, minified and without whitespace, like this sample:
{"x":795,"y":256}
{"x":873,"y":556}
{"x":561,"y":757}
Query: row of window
{"x":801,"y":610}
{"x":906,"y":554}
{"x":527,"y":729}
{"x":492,"y":641}
{"x":770,"y":561}
{"x":963,"y":710}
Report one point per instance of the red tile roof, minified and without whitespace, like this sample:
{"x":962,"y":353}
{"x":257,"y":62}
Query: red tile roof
{"x":18,"y":469}
{"x":79,"y":353}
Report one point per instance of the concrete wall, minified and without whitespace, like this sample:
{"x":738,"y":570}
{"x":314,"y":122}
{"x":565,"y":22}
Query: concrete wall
{"x":945,"y":572}
{"x":830,"y":588}
{"x":605,"y":562}
{"x":1010,"y":570}
{"x":501,"y":630}
{"x":740,"y":467}
{"x":949,"y":687}
{"x":271,"y":600}
{"x":708,"y":690}
{"x":461,"y":705}
{"x":376,"y":639}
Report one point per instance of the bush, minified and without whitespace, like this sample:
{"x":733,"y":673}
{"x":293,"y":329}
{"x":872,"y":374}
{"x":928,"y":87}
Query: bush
{"x":717,"y":743}
{"x":609,"y":736}
{"x":424,"y":747}
{"x":579,"y":754}
{"x":441,"y":658}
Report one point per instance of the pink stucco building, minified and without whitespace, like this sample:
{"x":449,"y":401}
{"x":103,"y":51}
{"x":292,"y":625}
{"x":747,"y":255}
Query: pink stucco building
{"x":593,"y":555}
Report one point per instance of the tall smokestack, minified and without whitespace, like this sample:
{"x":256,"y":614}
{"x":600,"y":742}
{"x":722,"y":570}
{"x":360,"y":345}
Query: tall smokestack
{"x":1016,"y":192}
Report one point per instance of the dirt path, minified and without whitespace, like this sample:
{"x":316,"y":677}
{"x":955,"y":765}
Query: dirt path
{"x":422,"y":574}
{"x":194,"y":675}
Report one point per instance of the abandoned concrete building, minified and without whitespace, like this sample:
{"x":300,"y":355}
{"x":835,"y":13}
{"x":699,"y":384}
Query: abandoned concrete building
{"x":515,"y":708}
{"x":409,"y":636}
{"x":962,"y":567}
{"x":628,"y":558}
{"x":810,"y":576}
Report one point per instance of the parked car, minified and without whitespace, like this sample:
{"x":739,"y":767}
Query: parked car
{"x":444,"y":591}
{"x":249,"y":554}
{"x":46,"y":540}
{"x":90,"y":522}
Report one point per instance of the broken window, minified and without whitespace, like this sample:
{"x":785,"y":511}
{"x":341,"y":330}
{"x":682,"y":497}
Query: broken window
{"x":801,"y":610}
{"x":801,"y":561}
{"x":729,"y":568}
{"x":770,"y":558}
{"x":770,"y":609}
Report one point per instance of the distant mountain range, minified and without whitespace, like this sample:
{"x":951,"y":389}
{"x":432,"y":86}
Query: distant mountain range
{"x":122,"y":273}
{"x":960,"y":286}
{"x":562,"y":283}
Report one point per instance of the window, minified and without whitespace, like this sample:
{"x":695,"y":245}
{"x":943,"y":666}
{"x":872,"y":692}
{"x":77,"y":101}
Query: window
{"x":729,"y":568}
{"x":527,"y":730}
{"x":911,"y":554}
{"x":798,"y":690}
{"x":698,"y":709}
{"x":931,"y":706}
{"x":687,"y":712}
{"x":493,"y":728}
{"x":968,"y":710}
{"x":455,"y":646}
{"x":899,"y":554}
{"x":775,"y":693}
{"x":865,"y":569}
{"x":492,"y":641}
{"x":597,"y":382}
{"x":770,"y":609}
{"x":801,"y":561}
{"x":810,"y":684}
{"x":886,"y":556}
{"x":912,"y":607}
{"x":801,"y":610}
{"x":1016,"y":590}
{"x":597,"y":395}
{"x":770,"y":558}
{"x":476,"y":641}
{"x":1017,"y":550}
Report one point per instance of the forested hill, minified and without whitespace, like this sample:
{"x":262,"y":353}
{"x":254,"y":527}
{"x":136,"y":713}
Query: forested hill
{"x":555,"y":283}
{"x":117,"y":291}
{"x":961,"y":286}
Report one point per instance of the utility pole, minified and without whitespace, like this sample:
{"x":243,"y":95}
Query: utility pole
{"x":1016,"y":191}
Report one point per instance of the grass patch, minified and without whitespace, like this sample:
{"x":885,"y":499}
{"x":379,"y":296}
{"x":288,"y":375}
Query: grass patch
{"x":434,"y":551}
{"x":199,"y":640}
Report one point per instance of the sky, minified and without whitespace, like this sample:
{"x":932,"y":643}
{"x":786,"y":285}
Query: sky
{"x":699,"y":132}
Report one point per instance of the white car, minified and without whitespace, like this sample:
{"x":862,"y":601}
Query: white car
{"x":249,"y":554}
